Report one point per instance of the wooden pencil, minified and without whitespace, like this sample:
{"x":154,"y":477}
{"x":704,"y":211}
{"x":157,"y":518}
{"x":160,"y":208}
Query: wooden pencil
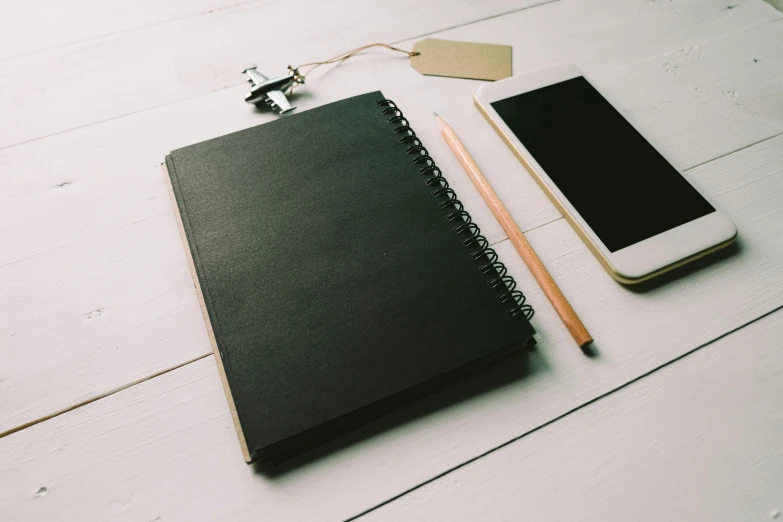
{"x":537,"y":268}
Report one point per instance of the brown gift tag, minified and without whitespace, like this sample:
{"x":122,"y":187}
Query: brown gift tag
{"x":462,"y":59}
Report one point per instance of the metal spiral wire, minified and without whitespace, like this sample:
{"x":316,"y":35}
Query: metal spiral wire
{"x":433,"y":178}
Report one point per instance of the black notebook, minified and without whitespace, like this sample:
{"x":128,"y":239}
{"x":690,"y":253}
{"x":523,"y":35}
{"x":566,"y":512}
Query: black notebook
{"x":339,"y":274}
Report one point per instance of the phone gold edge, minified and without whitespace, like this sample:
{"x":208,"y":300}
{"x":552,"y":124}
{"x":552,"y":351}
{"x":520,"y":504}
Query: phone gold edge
{"x":602,"y":259}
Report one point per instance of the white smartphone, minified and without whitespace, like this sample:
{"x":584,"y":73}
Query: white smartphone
{"x":634,"y":210}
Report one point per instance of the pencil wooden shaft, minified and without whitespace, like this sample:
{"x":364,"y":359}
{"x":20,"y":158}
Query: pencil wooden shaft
{"x":548,"y":285}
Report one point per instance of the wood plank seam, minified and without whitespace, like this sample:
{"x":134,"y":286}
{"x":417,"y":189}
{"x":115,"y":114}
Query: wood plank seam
{"x":119,"y":116}
{"x":565,"y":414}
{"x":240,"y":83}
{"x":491,"y":17}
{"x":495,"y":243}
{"x":756,"y":99}
{"x":77,"y":241}
{"x":101,"y":396}
{"x":38,"y":254}
{"x":735,"y":151}
{"x":239,"y":3}
{"x":278,"y":495}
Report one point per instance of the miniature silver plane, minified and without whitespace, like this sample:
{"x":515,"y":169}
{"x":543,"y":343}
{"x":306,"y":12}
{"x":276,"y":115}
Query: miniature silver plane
{"x":271,"y":91}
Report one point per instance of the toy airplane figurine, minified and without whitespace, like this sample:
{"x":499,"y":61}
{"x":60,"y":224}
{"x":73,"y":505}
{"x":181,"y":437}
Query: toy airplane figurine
{"x":271,"y":91}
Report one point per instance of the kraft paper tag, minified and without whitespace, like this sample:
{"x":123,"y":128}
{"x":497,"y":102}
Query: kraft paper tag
{"x":475,"y":61}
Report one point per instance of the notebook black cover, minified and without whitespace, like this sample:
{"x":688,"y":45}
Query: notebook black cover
{"x":334,"y":281}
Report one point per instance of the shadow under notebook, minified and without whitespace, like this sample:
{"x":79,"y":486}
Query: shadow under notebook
{"x":496,"y":375}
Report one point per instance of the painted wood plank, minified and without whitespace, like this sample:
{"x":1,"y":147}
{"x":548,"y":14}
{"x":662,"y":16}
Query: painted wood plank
{"x":30,"y":26}
{"x":75,"y":320}
{"x":76,"y":85}
{"x":85,"y":154}
{"x":92,"y":183}
{"x":699,"y":441}
{"x":83,"y":157}
{"x":174,"y":434}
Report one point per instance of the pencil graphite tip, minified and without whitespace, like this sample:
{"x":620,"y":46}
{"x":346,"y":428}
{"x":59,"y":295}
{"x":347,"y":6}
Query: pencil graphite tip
{"x":441,"y":124}
{"x":435,"y":114}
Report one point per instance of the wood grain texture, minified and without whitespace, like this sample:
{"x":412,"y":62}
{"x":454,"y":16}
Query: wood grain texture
{"x":101,"y":79}
{"x":95,"y":286}
{"x":97,"y":180}
{"x":36,"y":25}
{"x":77,"y":317}
{"x":173,"y":433}
{"x":105,"y":177}
{"x":694,"y":441}
{"x":153,"y":66}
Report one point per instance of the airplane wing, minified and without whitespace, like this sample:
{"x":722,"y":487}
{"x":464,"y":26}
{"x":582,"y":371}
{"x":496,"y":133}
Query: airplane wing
{"x":279,"y":101}
{"x":255,"y":76}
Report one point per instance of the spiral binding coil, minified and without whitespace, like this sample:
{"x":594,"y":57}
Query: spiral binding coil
{"x":433,"y":177}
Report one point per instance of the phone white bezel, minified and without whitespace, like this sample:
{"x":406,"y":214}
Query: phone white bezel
{"x":639,"y":261}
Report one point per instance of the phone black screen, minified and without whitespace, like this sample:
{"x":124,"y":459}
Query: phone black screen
{"x":620,"y":185}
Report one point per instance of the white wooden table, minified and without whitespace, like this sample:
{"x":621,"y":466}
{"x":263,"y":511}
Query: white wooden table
{"x":110,"y":403}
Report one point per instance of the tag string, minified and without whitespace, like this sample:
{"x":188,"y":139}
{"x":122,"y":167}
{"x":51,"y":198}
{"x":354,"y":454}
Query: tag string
{"x":342,"y":57}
